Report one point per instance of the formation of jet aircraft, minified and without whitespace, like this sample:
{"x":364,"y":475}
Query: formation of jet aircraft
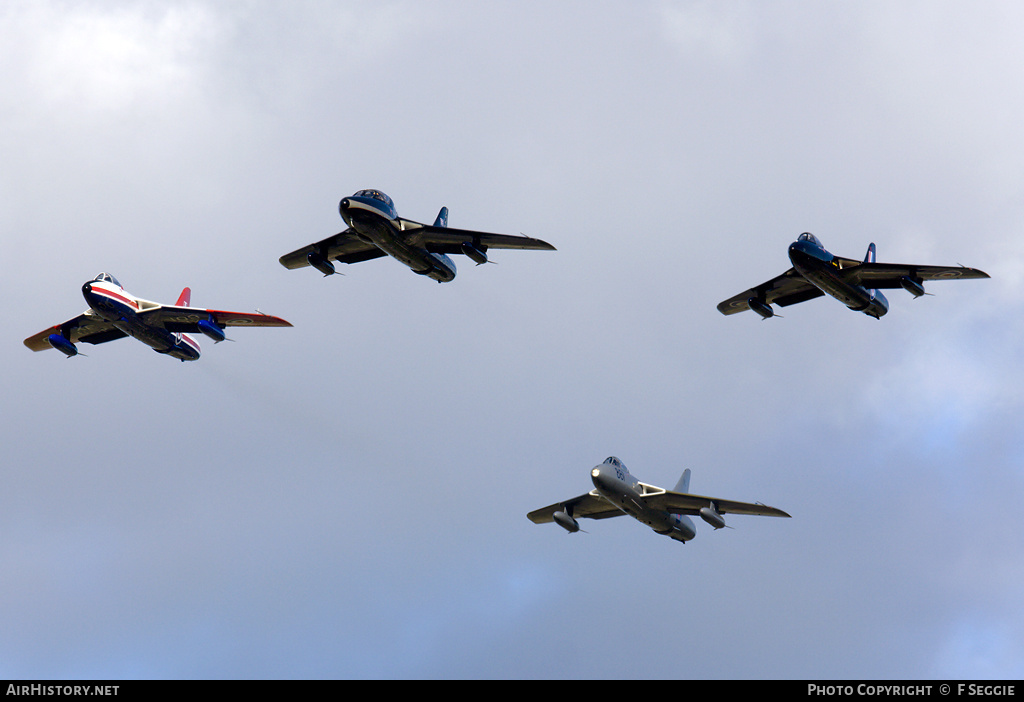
{"x":114,"y":314}
{"x":616,"y":492}
{"x":857,"y":284}
{"x":376,"y":230}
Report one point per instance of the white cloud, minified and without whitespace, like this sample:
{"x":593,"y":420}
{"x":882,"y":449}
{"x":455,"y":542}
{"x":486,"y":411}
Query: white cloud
{"x":723,"y":31}
{"x":83,"y":58}
{"x":263,"y":509}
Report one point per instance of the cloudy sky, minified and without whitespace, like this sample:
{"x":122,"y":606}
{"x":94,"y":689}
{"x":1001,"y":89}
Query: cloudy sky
{"x":348,"y":498}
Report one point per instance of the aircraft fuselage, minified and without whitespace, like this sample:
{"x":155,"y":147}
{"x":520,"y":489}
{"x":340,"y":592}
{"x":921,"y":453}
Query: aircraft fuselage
{"x":822,"y":270}
{"x":377,"y":223}
{"x":119,"y":308}
{"x":615,"y":484}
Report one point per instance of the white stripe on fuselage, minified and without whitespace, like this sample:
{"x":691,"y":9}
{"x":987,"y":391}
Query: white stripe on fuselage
{"x":362,"y":205}
{"x":114,"y":293}
{"x":178,"y":345}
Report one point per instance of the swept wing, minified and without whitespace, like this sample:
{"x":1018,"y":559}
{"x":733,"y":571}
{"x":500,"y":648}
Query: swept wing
{"x":445,"y":240}
{"x":887,"y":275}
{"x":784,"y":290}
{"x":185,"y":319}
{"x":791,"y":288}
{"x":680,"y":503}
{"x":591,"y":505}
{"x":347,"y":247}
{"x":90,"y":328}
{"x":344,"y":246}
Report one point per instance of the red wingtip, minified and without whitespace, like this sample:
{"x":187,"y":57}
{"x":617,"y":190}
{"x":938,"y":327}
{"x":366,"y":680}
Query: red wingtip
{"x":184,"y":300}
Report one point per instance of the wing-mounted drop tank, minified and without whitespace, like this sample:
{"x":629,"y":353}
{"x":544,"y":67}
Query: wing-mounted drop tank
{"x":62,"y":344}
{"x":478,"y":255}
{"x":320,"y":262}
{"x":710,"y":515}
{"x":211,"y":330}
{"x":913,"y":286}
{"x":761,"y":307}
{"x":566,"y":521}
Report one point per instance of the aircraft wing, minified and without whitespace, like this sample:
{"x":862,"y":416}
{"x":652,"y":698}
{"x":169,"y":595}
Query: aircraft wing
{"x":86,"y":327}
{"x":344,"y":246}
{"x":446,"y":240}
{"x":784,"y":290}
{"x":887,"y":275}
{"x":185,"y":319}
{"x":591,"y":505}
{"x":679,"y":503}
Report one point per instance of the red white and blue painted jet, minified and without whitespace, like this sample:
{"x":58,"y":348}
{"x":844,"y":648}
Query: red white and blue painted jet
{"x":856,"y":284}
{"x":616,"y":492}
{"x":376,"y":230}
{"x":115,"y":314}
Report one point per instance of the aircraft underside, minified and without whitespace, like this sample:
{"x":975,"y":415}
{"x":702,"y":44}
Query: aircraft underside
{"x":125,"y":319}
{"x":160,"y":340}
{"x":674,"y":526}
{"x":856,"y":297}
{"x":436,"y":266}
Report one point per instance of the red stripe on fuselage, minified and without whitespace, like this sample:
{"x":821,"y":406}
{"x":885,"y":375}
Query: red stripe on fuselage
{"x":115,"y":296}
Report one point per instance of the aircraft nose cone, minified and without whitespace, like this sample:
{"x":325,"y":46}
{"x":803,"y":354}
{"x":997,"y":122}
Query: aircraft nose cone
{"x":799,"y":253}
{"x":87,"y":288}
{"x":805,"y":251}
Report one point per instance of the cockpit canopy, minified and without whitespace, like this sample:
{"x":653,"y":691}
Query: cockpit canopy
{"x":106,"y":278}
{"x":807,"y":236}
{"x":376,"y":195}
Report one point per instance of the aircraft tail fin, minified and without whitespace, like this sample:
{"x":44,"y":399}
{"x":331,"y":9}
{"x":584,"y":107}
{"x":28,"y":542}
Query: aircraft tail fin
{"x":683,"y":485}
{"x":442,"y":218}
{"x":185,"y":298}
{"x":876,"y":294}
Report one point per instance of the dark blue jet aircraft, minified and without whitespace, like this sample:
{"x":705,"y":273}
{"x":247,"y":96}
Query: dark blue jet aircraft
{"x":376,"y":230}
{"x":856,"y":284}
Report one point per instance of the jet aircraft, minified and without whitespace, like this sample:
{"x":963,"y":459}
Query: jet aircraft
{"x":856,"y":284}
{"x":376,"y":230}
{"x":114,"y":314}
{"x":616,"y":492}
